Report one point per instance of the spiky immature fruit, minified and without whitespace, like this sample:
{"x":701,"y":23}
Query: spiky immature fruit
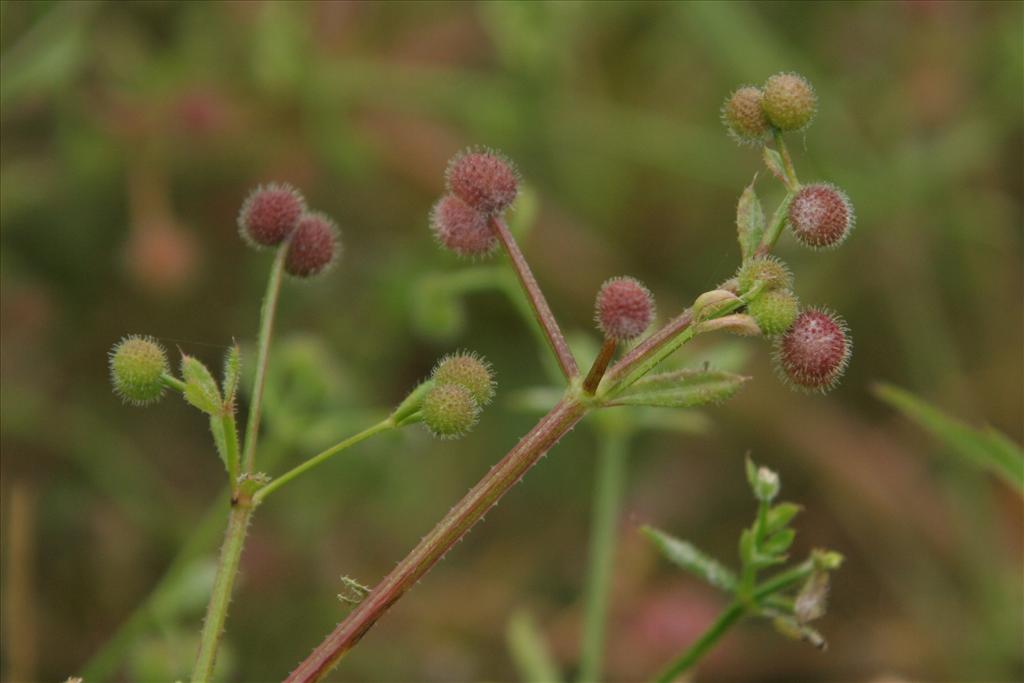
{"x":624,"y":308}
{"x":467,"y":370}
{"x":460,"y":228}
{"x":744,"y":117}
{"x":774,"y":311}
{"x":484,"y":180}
{"x":449,"y":410}
{"x":770,"y":271}
{"x":270,"y":214}
{"x":814,"y":351}
{"x":789,"y":101}
{"x":137,"y":367}
{"x":314,"y":246}
{"x":821,"y":216}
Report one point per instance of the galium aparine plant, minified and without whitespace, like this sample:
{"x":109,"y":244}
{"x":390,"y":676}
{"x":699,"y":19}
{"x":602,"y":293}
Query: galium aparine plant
{"x":811,"y":350}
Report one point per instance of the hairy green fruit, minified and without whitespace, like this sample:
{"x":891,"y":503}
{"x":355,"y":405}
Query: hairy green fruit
{"x":743,"y":115}
{"x":467,"y":370}
{"x":789,"y":101}
{"x":771,"y":272}
{"x":774,"y":311}
{"x":137,"y":366}
{"x":449,"y":411}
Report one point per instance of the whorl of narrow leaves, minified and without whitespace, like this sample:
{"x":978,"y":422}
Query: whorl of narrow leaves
{"x":814,"y":351}
{"x":270,"y":214}
{"x":137,"y":366}
{"x":314,"y":247}
{"x":624,"y":308}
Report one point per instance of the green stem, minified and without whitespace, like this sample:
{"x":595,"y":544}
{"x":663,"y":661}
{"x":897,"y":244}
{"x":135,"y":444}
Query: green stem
{"x":223,"y":582}
{"x":172,"y":382}
{"x":732,"y":614}
{"x":278,"y":482}
{"x":267,"y":313}
{"x":227,"y":422}
{"x":608,"y":491}
{"x":792,"y":182}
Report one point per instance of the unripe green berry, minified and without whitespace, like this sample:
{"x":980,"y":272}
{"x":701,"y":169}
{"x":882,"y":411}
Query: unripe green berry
{"x":449,"y":411}
{"x":468,"y":370}
{"x":743,"y":115}
{"x":789,"y":101}
{"x":771,"y":272}
{"x":774,"y":311}
{"x":137,"y":367}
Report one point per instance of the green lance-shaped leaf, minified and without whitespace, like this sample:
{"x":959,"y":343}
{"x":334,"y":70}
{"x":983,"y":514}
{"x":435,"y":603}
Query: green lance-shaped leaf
{"x":780,"y":516}
{"x":200,"y":387}
{"x":985,"y":448}
{"x":232,"y":375}
{"x":690,"y":558}
{"x":220,"y":440}
{"x":749,"y":221}
{"x":680,"y":389}
{"x":773,"y":160}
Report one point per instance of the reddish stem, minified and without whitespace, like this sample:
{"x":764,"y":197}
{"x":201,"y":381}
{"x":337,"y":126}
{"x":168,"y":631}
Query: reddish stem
{"x":600,"y":365}
{"x":434,"y":545}
{"x":650,"y":346}
{"x":541,"y":310}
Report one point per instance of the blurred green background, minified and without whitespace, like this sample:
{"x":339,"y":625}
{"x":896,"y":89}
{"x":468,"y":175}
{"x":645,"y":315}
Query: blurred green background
{"x":131,"y":132}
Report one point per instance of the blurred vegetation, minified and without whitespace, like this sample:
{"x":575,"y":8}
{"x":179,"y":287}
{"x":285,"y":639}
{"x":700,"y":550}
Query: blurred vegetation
{"x":132,"y":131}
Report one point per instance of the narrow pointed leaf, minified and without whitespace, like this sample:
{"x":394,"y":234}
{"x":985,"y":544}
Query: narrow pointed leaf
{"x":680,"y":389}
{"x":749,"y":221}
{"x":780,"y":516}
{"x":690,"y":558}
{"x":773,"y":160}
{"x":985,"y":448}
{"x":779,"y":542}
{"x":232,"y":375}
{"x":220,"y":440}
{"x":200,"y":386}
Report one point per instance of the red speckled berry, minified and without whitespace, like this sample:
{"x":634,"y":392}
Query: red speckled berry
{"x":270,"y":213}
{"x":814,"y":351}
{"x":313,"y":247}
{"x":624,"y":308}
{"x":484,"y":180}
{"x":821,"y":215}
{"x":461,"y":228}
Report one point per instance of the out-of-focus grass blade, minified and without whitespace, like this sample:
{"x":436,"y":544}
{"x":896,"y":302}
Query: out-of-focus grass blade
{"x":986,"y":448}
{"x":529,"y":650}
{"x":692,"y":559}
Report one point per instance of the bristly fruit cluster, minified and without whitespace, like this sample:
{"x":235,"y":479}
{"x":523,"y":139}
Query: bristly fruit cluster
{"x":812,"y":347}
{"x":624,"y":308}
{"x":463,"y":383}
{"x":275,"y":214}
{"x":481,"y":185}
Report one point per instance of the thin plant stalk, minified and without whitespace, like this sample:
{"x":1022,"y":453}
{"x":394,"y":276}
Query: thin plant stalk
{"x":604,"y":356}
{"x":318,"y":459}
{"x":730,"y":616}
{"x":223,"y":582}
{"x":267,"y":314}
{"x":541,"y":310}
{"x":610,"y":484}
{"x":459,"y":520}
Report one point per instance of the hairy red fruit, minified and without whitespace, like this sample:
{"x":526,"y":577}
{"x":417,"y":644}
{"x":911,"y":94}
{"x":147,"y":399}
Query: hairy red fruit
{"x":484,"y":180}
{"x":624,"y":308}
{"x":814,"y":351}
{"x":270,"y":213}
{"x":314,"y":246}
{"x":821,"y":216}
{"x":461,"y":228}
{"x":744,"y":117}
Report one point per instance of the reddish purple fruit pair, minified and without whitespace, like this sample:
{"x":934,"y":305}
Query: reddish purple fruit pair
{"x":277,"y":212}
{"x":481,"y":185}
